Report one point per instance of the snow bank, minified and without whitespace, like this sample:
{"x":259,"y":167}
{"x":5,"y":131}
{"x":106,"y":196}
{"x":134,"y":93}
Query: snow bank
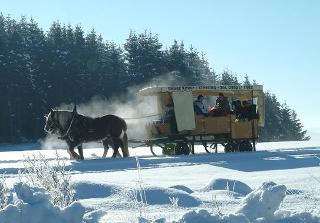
{"x":33,"y":205}
{"x":94,"y":216}
{"x":204,"y":216}
{"x":304,"y":217}
{"x":85,"y":190}
{"x":227,"y":184}
{"x":159,"y":195}
{"x":263,"y":202}
{"x":259,"y":206}
{"x":183,"y":188}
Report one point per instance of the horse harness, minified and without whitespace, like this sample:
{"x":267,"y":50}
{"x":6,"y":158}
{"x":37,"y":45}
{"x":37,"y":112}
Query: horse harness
{"x":66,"y":135}
{"x":78,"y":129}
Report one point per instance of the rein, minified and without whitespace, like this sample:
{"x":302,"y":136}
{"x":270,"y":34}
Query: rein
{"x":69,"y":128}
{"x":141,"y":117}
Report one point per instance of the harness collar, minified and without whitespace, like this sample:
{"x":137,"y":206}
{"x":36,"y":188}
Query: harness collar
{"x":65,"y":135}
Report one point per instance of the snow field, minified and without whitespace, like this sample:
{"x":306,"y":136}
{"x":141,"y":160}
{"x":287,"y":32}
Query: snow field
{"x":279,"y":183}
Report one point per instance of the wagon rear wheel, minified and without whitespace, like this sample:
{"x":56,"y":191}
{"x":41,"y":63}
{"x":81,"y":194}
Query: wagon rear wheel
{"x":245,"y":145}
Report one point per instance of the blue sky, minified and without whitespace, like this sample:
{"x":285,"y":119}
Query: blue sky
{"x":275,"y":42}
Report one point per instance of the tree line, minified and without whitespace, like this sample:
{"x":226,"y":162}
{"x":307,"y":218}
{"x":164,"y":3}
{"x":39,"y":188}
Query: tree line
{"x":40,"y":70}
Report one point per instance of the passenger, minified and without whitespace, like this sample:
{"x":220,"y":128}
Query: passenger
{"x":170,"y":118}
{"x":168,"y":112}
{"x":199,"y":106}
{"x":237,"y":108}
{"x":223,"y":103}
{"x":244,"y":115}
{"x":251,"y":110}
{"x":222,"y":106}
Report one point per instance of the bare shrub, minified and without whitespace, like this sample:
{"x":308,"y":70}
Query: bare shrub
{"x":137,"y":195}
{"x":5,"y":194}
{"x":55,"y":179}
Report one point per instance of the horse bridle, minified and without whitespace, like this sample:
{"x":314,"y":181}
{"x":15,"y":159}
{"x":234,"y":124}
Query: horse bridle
{"x":53,"y":123}
{"x":56,"y":125}
{"x":70,"y":125}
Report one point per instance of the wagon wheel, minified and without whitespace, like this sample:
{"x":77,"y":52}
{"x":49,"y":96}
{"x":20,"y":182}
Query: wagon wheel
{"x":182,"y":148}
{"x":179,"y":148}
{"x":230,"y":147}
{"x":162,"y":146}
{"x":245,"y":145}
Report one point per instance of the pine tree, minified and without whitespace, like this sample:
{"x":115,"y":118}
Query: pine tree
{"x":246,"y":81}
{"x":208,"y":76}
{"x":34,"y":51}
{"x":292,"y":129}
{"x":20,"y":86}
{"x":4,"y":96}
{"x":57,"y":65}
{"x":77,"y":65}
{"x":227,"y":78}
{"x":175,"y":60}
{"x":144,"y":56}
{"x":194,"y":74}
{"x":115,"y":69}
{"x":299,"y":133}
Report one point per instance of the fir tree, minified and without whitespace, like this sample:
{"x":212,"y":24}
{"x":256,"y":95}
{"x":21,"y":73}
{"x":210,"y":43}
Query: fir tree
{"x":144,"y":56}
{"x":227,"y":78}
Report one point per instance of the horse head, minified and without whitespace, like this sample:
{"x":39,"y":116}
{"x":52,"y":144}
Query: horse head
{"x":51,"y":122}
{"x":57,"y":121}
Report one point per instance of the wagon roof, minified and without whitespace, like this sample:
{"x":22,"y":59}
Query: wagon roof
{"x":228,"y":90}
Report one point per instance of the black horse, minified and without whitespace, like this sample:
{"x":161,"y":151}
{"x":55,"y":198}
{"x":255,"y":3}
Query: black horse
{"x":76,"y":129}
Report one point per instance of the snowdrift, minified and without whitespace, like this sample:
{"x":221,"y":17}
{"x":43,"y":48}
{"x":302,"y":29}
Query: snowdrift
{"x":33,"y":205}
{"x":160,"y":196}
{"x":227,"y":184}
{"x":259,"y":206}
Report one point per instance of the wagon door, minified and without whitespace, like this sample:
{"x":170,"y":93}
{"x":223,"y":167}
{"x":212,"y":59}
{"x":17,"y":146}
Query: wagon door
{"x":183,"y":109}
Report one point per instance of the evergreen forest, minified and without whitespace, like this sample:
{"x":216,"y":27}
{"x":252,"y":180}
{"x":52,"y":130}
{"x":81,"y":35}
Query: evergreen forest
{"x":42,"y":69}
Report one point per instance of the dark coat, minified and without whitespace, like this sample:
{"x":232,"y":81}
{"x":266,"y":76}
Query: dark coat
{"x":222,"y":104}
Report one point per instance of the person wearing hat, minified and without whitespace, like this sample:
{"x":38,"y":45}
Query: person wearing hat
{"x":199,"y":106}
{"x":222,"y":106}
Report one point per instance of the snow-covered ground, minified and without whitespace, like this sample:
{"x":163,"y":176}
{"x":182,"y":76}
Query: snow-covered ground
{"x":278,"y":183}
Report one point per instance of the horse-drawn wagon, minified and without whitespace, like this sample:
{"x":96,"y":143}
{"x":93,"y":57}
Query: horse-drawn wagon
{"x":179,"y":128}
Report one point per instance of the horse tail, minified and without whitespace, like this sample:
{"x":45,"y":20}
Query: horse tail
{"x":125,"y":145}
{"x":125,"y":140}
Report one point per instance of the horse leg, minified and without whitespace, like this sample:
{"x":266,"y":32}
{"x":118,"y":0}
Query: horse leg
{"x":116,"y":144}
{"x":70,"y":154}
{"x":106,"y":142}
{"x":73,"y":154}
{"x":122,"y":148}
{"x":80,"y":150}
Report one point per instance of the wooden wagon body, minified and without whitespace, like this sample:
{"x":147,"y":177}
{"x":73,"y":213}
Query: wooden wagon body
{"x":179,"y":128}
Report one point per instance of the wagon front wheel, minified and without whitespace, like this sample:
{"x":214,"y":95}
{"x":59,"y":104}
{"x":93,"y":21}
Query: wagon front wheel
{"x":182,"y":148}
{"x":230,"y":147}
